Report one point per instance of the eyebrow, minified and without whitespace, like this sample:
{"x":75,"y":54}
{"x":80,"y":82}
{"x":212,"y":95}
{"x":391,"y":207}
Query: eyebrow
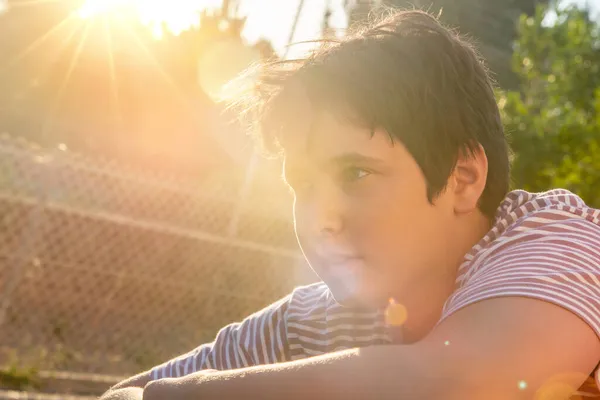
{"x":353,"y":158}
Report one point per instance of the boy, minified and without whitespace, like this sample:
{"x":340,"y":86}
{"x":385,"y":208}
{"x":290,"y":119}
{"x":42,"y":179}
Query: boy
{"x":393,"y":145}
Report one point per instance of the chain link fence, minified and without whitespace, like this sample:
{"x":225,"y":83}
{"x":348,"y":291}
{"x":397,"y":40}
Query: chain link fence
{"x":104,"y":269}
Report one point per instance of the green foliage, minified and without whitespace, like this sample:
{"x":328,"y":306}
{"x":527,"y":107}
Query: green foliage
{"x":554,"y":117}
{"x":15,"y":376}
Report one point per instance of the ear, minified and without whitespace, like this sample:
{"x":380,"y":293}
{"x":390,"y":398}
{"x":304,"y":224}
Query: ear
{"x":469,"y":178}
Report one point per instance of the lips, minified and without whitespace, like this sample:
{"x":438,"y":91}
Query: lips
{"x":342,"y":267}
{"x":339,"y":260}
{"x":333,"y":254}
{"x":339,"y":264}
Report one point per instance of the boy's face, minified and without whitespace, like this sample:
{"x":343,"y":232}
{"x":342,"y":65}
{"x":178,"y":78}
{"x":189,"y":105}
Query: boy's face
{"x":362,"y":216}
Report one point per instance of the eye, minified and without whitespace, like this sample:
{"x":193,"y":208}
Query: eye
{"x":353,"y":174}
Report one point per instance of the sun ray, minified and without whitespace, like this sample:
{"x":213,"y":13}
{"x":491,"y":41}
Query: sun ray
{"x":114,"y":84}
{"x":29,"y":3}
{"x":40,"y":77}
{"x":170,"y":81}
{"x":65,"y":81}
{"x":36,"y":43}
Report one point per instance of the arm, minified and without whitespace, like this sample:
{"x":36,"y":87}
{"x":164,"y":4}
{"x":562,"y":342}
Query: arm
{"x":493,"y":346}
{"x":520,"y":327}
{"x":352,"y":374}
{"x":258,"y":339}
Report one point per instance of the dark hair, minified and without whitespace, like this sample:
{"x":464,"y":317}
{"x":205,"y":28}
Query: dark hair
{"x":422,"y":83}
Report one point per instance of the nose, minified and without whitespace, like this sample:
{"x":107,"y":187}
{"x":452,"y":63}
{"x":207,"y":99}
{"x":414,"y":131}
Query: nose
{"x":328,"y":214}
{"x":330,"y":226}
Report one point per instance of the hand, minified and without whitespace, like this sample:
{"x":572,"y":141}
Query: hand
{"x":175,"y":388}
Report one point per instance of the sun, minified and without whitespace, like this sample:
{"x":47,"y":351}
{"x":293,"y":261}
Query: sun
{"x":174,"y":16}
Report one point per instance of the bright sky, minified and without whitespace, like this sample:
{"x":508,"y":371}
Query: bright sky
{"x":262,"y":20}
{"x":594,"y":4}
{"x":269,"y":19}
{"x":273,"y":19}
{"x":263,"y":23}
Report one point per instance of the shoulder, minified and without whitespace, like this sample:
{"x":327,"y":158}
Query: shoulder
{"x":316,"y":289}
{"x":548,"y":243}
{"x":535,"y":209}
{"x":550,"y":237}
{"x":309,"y":299}
{"x":556,"y":222}
{"x":548,"y":252}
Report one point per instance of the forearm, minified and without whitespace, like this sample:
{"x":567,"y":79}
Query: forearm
{"x":131,"y":393}
{"x":355,"y":374}
{"x":128,"y":389}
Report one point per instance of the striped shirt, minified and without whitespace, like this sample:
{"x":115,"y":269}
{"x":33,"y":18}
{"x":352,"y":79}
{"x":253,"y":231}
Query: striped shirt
{"x":543,"y":246}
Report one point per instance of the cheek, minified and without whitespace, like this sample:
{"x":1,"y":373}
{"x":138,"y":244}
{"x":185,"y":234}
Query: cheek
{"x":301,"y":226}
{"x":377,"y":217}
{"x":389,"y":227}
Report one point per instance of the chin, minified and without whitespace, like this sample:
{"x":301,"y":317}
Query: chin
{"x":349,"y":299}
{"x":342,"y":295}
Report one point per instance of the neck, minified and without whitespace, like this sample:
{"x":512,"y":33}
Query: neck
{"x":424,"y":309}
{"x":425,"y":303}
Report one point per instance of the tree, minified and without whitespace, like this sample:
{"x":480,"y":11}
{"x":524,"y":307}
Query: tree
{"x":554,"y":117}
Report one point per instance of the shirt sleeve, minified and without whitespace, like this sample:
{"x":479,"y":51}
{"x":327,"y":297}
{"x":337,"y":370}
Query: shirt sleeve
{"x":259,"y":339}
{"x":557,"y":262}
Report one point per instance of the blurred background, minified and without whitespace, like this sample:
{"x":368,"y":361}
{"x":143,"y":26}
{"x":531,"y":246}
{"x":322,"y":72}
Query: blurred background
{"x":136,"y":219}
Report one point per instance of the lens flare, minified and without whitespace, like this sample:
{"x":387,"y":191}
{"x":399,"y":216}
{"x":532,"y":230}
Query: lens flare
{"x":395,"y":314}
{"x":563,"y":386}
